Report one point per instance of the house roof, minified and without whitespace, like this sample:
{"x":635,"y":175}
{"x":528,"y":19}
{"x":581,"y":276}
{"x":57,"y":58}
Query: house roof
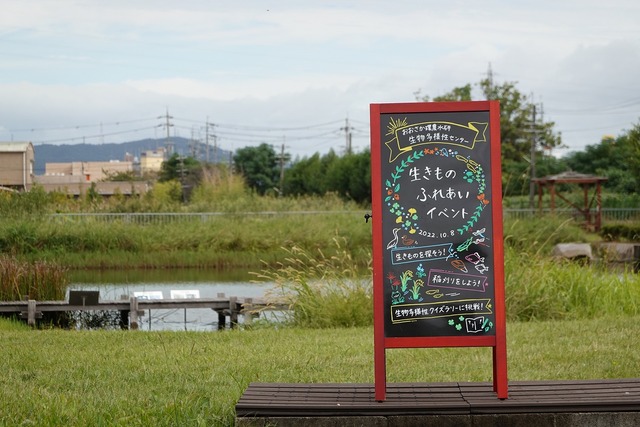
{"x":15,"y":147}
{"x":571,"y":177}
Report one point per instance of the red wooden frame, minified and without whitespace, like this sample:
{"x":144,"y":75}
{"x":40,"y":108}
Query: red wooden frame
{"x":498,"y":341}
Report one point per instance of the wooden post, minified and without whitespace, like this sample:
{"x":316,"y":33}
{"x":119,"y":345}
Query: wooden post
{"x":31,"y":312}
{"x":587,"y":213}
{"x":133,"y":313}
{"x":124,"y":314}
{"x":233,"y":311}
{"x":246,"y":311}
{"x":185,"y":319}
{"x":222,"y":318}
{"x":540,"y":194}
{"x":124,"y":319}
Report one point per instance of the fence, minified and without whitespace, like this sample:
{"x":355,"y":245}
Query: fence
{"x":608,"y":214}
{"x":173,"y":218}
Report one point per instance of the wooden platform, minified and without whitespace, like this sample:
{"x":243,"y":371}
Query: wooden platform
{"x":306,"y":401}
{"x":223,"y":305}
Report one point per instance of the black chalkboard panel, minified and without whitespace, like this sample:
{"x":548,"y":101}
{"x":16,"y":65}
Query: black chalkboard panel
{"x":437,"y":224}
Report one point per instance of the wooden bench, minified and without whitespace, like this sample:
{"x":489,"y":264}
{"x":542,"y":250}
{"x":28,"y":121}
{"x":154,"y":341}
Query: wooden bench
{"x":544,"y":402}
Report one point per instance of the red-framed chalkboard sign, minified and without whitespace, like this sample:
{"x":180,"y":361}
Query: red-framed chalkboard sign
{"x":438,"y":258}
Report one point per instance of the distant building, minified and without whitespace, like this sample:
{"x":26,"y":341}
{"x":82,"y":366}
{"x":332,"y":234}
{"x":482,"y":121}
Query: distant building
{"x":16,"y":165}
{"x":76,"y":178}
{"x":88,"y":171}
{"x":151,"y":161}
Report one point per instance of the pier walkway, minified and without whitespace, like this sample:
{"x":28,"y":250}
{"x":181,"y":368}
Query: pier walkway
{"x":131,"y":309}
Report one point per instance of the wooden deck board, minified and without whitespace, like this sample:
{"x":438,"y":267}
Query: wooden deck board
{"x":312,"y":400}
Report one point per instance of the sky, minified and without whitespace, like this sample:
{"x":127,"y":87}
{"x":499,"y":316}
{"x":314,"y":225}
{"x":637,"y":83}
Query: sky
{"x":302,"y":74}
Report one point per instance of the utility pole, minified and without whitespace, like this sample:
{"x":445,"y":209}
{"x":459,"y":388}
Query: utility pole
{"x":194,"y":145}
{"x":281,"y":168}
{"x":490,"y":78}
{"x":183,"y":185}
{"x":532,"y":168}
{"x":168,"y":125}
{"x":347,"y":134}
{"x":215,"y":148}
{"x":215,"y":142}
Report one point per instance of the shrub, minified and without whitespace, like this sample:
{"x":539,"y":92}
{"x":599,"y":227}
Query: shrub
{"x":621,"y":231}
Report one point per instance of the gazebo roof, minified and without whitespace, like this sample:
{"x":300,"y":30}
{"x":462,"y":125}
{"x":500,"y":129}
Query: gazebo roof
{"x":571,"y":177}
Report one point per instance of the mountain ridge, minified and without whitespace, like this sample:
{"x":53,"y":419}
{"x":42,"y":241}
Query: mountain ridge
{"x":83,"y":152}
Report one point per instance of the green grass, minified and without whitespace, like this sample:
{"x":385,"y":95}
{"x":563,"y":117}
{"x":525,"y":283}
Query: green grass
{"x":111,"y":378}
{"x":538,"y":287}
{"x":224,"y":242}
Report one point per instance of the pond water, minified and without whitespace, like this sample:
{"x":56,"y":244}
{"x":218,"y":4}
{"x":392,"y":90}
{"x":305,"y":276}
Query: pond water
{"x":120,"y":284}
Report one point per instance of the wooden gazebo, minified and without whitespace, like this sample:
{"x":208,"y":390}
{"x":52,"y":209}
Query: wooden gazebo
{"x":592,"y":220}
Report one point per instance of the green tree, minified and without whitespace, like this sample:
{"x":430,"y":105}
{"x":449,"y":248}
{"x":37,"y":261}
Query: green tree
{"x":617,"y":159}
{"x":517,"y":126}
{"x":259,"y":166}
{"x":517,"y":129}
{"x":184,"y":169}
{"x":634,"y":152}
{"x":462,"y":93}
{"x":187,"y":171}
{"x":350,"y":176}
{"x":309,"y":175}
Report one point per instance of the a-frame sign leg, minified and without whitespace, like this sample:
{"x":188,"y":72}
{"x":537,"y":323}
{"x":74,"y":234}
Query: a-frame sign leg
{"x":500,"y":381}
{"x":380,"y":373}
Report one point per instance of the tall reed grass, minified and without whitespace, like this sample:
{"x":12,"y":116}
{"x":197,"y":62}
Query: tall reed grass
{"x":540,"y":288}
{"x":321,"y":290}
{"x":538,"y":236}
{"x":328,"y":290}
{"x":40,"y":280}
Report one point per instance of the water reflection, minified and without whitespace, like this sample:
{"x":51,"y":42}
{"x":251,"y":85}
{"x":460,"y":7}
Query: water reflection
{"x":116,"y":285}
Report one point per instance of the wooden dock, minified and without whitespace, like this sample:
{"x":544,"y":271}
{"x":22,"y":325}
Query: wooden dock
{"x":535,"y":403}
{"x":131,"y":309}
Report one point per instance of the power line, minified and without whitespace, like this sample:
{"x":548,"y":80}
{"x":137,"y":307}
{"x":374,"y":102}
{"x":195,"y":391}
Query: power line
{"x":304,"y":137}
{"x":98,"y":125}
{"x":101,"y":135}
{"x":600,"y":109}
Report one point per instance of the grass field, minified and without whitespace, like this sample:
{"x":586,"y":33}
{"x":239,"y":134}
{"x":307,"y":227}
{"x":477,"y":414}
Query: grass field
{"x":566,"y":321}
{"x":108,"y":378}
